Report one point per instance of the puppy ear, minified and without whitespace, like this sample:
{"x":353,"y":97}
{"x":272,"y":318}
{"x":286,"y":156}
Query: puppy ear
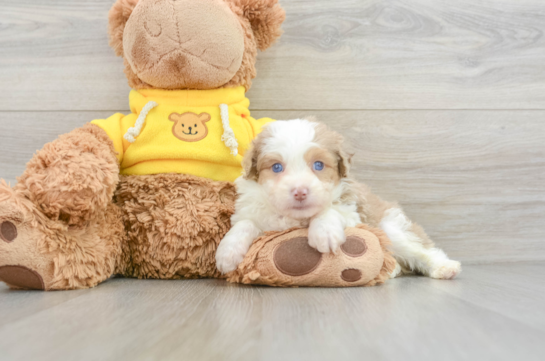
{"x":249,"y":162}
{"x":345,"y":162}
{"x":344,"y":158}
{"x":334,"y":142}
{"x":117,"y":18}
{"x":265,"y":17}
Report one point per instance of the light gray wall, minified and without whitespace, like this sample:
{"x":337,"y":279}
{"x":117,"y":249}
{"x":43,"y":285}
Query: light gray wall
{"x":442,"y":101}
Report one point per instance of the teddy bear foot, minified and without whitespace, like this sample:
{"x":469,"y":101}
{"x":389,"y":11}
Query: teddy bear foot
{"x":22,"y":265}
{"x":286,"y":259}
{"x":39,"y":253}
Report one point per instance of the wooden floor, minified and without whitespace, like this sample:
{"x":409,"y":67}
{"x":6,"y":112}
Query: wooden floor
{"x":492,"y":312}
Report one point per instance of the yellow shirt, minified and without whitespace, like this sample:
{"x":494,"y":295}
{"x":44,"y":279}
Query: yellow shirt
{"x":184,"y":132}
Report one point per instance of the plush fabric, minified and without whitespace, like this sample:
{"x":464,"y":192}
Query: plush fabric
{"x":73,"y":177}
{"x":174,"y":223}
{"x":205,"y":54}
{"x":164,"y":144}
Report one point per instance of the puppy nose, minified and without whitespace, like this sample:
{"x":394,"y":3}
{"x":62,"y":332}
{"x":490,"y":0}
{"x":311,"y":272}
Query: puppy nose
{"x":300,"y":193}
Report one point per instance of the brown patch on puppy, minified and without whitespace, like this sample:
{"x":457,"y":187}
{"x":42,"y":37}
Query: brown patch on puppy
{"x":333,"y":141}
{"x":190,"y":127}
{"x":330,"y":173}
{"x":264,"y":166}
{"x":252,"y":155}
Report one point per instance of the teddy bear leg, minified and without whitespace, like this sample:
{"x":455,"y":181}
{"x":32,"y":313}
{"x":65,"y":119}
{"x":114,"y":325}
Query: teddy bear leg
{"x":286,"y":259}
{"x":58,"y":226}
{"x":175,"y":223}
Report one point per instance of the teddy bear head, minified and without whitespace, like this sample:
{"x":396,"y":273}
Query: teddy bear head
{"x":192,"y":44}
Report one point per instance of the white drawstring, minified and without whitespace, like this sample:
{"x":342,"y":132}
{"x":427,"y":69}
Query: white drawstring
{"x":228,"y":136}
{"x":135,"y":131}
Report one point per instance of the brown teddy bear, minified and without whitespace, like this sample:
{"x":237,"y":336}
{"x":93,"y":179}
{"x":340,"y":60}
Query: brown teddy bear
{"x":150,"y":194}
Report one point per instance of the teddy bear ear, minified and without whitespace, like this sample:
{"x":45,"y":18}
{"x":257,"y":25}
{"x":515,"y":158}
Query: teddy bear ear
{"x":117,"y":18}
{"x":265,"y":17}
{"x":204,"y":117}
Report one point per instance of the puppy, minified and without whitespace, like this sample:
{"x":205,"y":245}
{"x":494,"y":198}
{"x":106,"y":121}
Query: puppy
{"x":296,"y":174}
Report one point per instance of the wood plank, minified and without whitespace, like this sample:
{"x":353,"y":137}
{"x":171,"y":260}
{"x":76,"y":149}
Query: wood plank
{"x":55,"y":55}
{"x":23,"y":133}
{"x":17,"y":305}
{"x":410,"y":318}
{"x":346,"y":54}
{"x":515,"y":290}
{"x":474,"y":179}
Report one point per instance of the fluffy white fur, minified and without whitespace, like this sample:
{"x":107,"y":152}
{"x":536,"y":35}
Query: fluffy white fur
{"x":269,"y":201}
{"x":409,"y":250}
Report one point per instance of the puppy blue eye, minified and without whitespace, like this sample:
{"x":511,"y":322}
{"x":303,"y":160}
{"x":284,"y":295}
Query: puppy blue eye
{"x":318,"y":165}
{"x":277,"y":168}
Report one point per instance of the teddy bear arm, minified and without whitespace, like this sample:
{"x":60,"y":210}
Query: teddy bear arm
{"x":73,"y":177}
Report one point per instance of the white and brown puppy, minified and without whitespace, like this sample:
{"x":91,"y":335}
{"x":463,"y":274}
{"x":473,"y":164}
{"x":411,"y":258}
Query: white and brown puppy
{"x":296,"y":175}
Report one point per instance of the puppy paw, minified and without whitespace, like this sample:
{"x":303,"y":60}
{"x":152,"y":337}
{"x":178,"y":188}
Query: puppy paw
{"x":446,"y":270}
{"x":229,"y":255}
{"x":326,"y":236}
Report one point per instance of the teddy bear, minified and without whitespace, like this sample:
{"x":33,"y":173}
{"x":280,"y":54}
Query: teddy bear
{"x":150,"y":194}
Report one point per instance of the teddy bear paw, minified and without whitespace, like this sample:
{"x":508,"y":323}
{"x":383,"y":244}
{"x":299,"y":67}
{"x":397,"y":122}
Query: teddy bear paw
{"x":22,"y":266}
{"x":287,"y":259}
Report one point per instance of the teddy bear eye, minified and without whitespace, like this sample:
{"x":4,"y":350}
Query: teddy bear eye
{"x":195,"y":125}
{"x":183,"y":125}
